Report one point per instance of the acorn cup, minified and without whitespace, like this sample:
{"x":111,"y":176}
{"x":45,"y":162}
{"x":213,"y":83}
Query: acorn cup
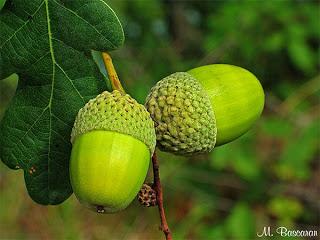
{"x":147,"y":196}
{"x":205,"y":107}
{"x":113,"y":139}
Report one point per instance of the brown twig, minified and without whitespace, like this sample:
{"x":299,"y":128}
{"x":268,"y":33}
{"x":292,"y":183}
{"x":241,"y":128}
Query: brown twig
{"x":158,"y":189}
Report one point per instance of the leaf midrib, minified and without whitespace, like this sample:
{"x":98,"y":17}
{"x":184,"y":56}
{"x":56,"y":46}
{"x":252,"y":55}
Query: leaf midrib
{"x":52,"y":89}
{"x":54,"y":65}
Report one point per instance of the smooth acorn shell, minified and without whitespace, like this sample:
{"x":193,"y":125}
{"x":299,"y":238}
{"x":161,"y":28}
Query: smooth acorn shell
{"x":107,"y":169}
{"x":236,"y":96}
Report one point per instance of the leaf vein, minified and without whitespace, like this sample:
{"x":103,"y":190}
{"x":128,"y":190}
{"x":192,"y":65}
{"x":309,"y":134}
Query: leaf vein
{"x":23,"y":25}
{"x":74,"y":87}
{"x":74,"y":13}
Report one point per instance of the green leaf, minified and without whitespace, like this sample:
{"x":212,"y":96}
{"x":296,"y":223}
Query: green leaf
{"x":2,"y":2}
{"x":7,"y":90}
{"x":48,"y":43}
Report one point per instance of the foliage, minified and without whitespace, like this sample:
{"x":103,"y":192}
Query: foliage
{"x":56,"y":78}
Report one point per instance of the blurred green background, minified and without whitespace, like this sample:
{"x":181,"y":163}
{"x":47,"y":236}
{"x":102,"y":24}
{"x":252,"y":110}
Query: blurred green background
{"x":268,"y":177}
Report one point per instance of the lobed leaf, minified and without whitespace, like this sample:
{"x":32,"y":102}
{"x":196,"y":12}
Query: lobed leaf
{"x":48,"y":44}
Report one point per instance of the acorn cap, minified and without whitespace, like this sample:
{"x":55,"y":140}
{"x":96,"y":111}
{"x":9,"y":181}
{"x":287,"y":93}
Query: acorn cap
{"x":183,"y":115}
{"x":115,"y":112}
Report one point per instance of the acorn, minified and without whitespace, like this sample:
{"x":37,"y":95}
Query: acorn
{"x":113,"y":139}
{"x":208,"y":106}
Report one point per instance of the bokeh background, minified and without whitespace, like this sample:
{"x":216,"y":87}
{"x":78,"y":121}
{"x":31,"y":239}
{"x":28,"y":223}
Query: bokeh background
{"x":268,"y":177}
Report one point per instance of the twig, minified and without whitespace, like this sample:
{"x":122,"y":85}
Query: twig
{"x":115,"y":82}
{"x":158,"y":189}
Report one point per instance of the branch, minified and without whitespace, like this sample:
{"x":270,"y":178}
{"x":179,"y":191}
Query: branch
{"x":158,"y":189}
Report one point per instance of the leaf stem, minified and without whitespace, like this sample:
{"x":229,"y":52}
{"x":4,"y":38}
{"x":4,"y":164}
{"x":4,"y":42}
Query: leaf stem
{"x":158,"y":189}
{"x":113,"y":76}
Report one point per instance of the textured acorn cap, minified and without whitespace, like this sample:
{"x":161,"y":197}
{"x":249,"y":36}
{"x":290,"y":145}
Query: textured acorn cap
{"x":116,"y":112}
{"x":183,"y":115}
{"x":147,"y":196}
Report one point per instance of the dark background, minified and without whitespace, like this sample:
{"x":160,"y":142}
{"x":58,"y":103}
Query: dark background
{"x":268,"y":177}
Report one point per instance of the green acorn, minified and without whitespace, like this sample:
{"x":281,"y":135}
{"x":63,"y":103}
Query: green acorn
{"x":205,"y":107}
{"x":113,"y":139}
